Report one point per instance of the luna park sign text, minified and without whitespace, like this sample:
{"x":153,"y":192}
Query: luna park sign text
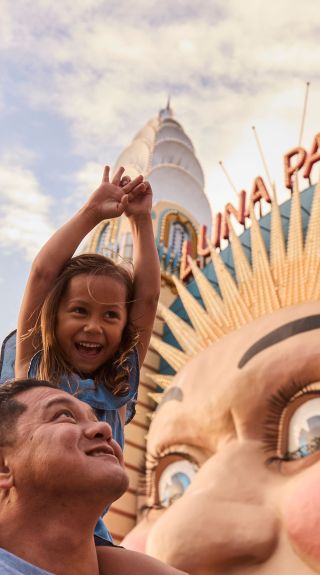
{"x":296,"y":160}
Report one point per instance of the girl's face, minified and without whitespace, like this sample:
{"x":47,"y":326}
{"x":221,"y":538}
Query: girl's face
{"x":90,"y":321}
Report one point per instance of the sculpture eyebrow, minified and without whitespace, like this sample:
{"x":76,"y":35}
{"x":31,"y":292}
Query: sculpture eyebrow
{"x":281,"y":333}
{"x":173,"y":394}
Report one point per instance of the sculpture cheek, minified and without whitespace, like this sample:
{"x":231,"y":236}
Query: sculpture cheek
{"x":302,"y":518}
{"x":136,"y":539}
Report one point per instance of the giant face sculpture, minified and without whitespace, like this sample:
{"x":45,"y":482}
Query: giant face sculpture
{"x":233,"y":459}
{"x":233,"y":453}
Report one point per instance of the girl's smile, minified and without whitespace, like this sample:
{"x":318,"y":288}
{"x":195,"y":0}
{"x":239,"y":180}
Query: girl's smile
{"x":88,"y":348}
{"x":90,"y":321}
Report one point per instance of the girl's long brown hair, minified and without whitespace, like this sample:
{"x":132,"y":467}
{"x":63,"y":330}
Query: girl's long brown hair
{"x":115,"y":373}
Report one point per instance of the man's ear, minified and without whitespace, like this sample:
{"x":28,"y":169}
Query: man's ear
{"x":6,"y":474}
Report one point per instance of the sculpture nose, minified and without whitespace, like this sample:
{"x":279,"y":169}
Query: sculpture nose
{"x":219,"y":523}
{"x":233,"y":534}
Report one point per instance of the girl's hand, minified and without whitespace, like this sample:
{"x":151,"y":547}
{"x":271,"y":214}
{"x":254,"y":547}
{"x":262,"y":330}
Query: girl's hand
{"x":124,"y":181}
{"x":138,"y":201}
{"x":108,"y":200}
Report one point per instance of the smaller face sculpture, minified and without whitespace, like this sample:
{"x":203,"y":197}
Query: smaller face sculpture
{"x":233,"y":456}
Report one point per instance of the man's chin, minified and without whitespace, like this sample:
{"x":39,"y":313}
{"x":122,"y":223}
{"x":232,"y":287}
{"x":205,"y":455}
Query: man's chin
{"x":117,"y":486}
{"x":124,"y":486}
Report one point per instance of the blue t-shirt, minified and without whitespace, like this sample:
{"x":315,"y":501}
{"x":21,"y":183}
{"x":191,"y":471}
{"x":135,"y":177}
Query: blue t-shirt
{"x":12,"y":565}
{"x":105,"y":404}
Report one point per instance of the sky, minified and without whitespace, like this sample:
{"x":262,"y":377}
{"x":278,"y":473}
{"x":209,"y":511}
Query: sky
{"x":79,"y":78}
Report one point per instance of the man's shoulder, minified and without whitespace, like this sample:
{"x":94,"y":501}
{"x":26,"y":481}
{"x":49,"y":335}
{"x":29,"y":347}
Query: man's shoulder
{"x":12,"y":565}
{"x":125,"y":562}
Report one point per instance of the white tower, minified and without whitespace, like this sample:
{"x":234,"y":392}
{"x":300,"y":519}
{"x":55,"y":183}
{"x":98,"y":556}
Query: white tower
{"x":165,"y":155}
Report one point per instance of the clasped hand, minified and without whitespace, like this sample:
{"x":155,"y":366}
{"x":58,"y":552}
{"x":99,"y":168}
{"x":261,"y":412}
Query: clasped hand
{"x":121,"y":195}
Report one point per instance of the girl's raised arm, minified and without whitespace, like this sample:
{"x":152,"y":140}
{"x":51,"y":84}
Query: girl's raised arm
{"x":146,"y":265}
{"x":106,"y":202}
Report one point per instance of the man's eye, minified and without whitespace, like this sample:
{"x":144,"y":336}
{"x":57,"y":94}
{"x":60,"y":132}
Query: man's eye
{"x":64,"y":414}
{"x":304,"y":430}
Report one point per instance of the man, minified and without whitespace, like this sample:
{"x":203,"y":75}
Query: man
{"x":59,"y":468}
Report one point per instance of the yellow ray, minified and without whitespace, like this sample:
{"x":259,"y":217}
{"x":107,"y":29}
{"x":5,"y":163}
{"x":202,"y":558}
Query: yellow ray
{"x":157,"y":397}
{"x":211,"y":299}
{"x":312,"y":249}
{"x":159,"y":379}
{"x":277,"y":248}
{"x":295,"y":283}
{"x":176,"y":358}
{"x":243,"y":269}
{"x":189,"y":340}
{"x":201,"y":321}
{"x":236,"y":308}
{"x":266,"y":297}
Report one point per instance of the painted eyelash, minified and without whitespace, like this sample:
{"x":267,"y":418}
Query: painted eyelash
{"x":145,"y":474}
{"x":313,"y":445}
{"x":145,"y":471}
{"x":145,"y":509}
{"x":143,"y":487}
{"x":276,"y":408}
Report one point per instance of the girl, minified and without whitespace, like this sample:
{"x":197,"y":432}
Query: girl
{"x":85,"y":322}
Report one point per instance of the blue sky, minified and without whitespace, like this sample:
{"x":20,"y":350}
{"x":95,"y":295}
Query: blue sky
{"x":80,"y":78}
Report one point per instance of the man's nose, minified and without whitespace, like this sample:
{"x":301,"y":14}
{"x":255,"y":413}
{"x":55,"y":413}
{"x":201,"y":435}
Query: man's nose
{"x":98,"y":429}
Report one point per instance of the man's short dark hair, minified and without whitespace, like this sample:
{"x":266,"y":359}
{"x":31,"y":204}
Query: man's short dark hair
{"x":11,"y":408}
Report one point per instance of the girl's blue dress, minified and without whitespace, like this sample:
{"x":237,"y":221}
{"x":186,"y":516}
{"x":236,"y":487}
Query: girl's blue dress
{"x":99,"y":397}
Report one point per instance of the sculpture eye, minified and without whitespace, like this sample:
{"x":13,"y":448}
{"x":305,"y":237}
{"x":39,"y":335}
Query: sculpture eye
{"x":304,"y":430}
{"x":174,"y":480}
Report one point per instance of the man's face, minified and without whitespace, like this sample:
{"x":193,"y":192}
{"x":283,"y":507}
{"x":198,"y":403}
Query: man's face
{"x":233,"y":457}
{"x":61,"y":449}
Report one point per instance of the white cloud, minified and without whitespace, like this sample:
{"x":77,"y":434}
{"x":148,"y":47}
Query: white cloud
{"x":24,"y":210}
{"x":107,"y":68}
{"x":85,"y":181}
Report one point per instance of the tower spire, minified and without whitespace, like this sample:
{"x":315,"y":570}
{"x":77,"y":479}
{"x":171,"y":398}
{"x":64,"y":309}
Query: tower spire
{"x":166,"y":112}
